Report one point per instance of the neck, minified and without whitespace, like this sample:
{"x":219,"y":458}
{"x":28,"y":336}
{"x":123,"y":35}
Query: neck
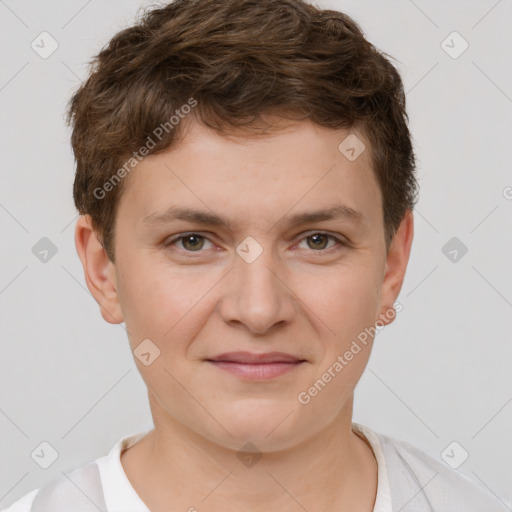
{"x":173,"y":465}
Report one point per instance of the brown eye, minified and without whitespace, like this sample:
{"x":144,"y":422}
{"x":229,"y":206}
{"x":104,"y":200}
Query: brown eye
{"x":188,"y":243}
{"x":318,"y":241}
{"x":192,"y":242}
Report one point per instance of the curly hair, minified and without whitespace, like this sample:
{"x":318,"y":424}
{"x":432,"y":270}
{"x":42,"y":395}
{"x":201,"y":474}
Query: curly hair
{"x":234,"y":62}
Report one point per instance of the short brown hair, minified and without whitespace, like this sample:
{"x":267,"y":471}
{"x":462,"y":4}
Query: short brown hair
{"x":238,"y":60}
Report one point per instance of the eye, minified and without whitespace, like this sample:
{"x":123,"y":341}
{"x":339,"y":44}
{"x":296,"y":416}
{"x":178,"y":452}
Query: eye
{"x":195,"y":242}
{"x":320,"y":240}
{"x":190,"y":242}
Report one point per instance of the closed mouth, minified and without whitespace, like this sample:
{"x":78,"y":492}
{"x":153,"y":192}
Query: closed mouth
{"x":256,"y":358}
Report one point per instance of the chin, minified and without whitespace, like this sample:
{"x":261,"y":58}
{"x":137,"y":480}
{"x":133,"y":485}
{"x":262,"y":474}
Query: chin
{"x":269,"y":425}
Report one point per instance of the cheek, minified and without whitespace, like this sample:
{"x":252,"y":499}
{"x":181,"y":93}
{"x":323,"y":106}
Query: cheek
{"x":164,"y":304}
{"x":347,"y":301}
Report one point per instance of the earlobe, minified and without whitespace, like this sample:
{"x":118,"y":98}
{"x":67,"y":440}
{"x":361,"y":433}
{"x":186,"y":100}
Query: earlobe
{"x":396,"y":265}
{"x":99,"y":271}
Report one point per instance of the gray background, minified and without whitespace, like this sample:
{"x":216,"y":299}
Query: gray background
{"x":440,"y":373}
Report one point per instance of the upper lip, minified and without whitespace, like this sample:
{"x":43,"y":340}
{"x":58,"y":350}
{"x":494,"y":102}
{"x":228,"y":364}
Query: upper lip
{"x":256,"y":358}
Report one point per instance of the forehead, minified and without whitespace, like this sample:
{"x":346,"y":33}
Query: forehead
{"x":300,"y":168}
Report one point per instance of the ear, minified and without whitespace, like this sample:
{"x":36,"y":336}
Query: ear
{"x":98,"y":269}
{"x":396,"y":265}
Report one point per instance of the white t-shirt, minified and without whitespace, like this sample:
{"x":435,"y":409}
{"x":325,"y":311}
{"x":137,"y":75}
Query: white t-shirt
{"x":120,"y":496}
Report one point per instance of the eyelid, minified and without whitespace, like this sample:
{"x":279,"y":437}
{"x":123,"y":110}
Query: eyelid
{"x":179,"y":236}
{"x":340,"y":238}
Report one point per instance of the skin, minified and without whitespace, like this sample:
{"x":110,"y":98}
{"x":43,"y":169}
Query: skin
{"x":295,"y":297}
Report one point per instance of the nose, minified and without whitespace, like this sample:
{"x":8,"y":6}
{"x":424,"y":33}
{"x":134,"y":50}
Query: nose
{"x":257,"y":294}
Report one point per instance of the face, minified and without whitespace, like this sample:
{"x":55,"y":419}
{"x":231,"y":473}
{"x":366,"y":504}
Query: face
{"x":215,"y":255}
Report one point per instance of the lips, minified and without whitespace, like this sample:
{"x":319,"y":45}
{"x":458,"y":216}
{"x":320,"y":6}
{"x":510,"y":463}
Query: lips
{"x":250,"y":366}
{"x":255,"y":358}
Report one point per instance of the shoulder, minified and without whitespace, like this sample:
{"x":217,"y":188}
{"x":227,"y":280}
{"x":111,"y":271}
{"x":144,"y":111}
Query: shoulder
{"x":23,"y":504}
{"x":417,"y":479}
{"x":81,"y":491}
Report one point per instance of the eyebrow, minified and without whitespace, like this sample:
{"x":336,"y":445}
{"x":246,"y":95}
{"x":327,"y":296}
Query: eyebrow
{"x":335,"y":212}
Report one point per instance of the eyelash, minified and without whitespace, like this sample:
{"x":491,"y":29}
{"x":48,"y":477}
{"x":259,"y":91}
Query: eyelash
{"x":339,"y":242}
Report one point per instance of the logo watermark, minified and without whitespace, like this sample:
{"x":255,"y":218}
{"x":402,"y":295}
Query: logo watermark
{"x":304,"y":397}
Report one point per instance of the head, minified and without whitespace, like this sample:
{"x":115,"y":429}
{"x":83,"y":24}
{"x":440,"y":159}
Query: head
{"x":253,"y":114}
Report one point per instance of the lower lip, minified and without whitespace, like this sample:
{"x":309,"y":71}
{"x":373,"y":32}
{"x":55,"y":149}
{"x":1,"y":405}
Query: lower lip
{"x":256,"y":371}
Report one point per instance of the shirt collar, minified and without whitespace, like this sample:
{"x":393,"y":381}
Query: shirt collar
{"x":120,"y":496}
{"x":383,"y":501}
